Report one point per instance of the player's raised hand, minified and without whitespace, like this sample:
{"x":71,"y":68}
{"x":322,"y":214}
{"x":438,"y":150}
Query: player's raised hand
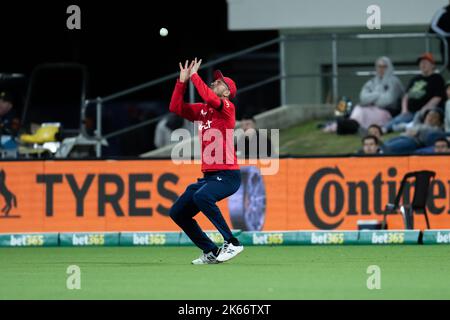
{"x":196,"y":65}
{"x":185,"y":72}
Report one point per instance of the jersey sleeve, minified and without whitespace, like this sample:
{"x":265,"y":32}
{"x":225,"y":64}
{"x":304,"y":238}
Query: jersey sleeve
{"x":189,"y":111}
{"x":227,"y":108}
{"x":205,"y":92}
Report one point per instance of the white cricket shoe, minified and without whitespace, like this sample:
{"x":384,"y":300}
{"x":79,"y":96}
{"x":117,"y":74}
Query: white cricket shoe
{"x":229,"y":251}
{"x":206,"y":258}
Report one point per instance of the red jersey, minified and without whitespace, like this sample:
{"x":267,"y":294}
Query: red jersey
{"x":217,"y":119}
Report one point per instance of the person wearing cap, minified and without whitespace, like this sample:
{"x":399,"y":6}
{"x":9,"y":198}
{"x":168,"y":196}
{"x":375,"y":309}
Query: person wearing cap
{"x":424,"y":92}
{"x":216,"y":116}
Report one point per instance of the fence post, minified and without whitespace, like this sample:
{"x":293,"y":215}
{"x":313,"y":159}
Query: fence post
{"x":282,"y":61}
{"x":191,"y":92}
{"x":334,"y":66}
{"x":98,"y":145}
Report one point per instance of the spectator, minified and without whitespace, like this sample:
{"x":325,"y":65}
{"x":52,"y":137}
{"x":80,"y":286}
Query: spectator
{"x":6,"y":103}
{"x":375,"y":130}
{"x":440,"y":24}
{"x":248,"y":143}
{"x":417,"y":136}
{"x":371,"y":145}
{"x":169,"y":123}
{"x":441,"y":145}
{"x":379,"y":100}
{"x":447,"y":107}
{"x":424,"y":92}
{"x":9,"y":122}
{"x":439,"y":137}
{"x":379,"y":97}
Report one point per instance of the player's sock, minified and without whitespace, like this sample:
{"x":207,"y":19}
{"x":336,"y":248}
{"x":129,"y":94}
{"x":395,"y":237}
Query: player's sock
{"x":215,"y":251}
{"x":234,"y":241}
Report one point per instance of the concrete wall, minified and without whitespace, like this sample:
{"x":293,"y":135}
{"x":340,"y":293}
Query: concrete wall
{"x":290,"y":115}
{"x":282,"y":14}
{"x":306,"y":17}
{"x":278,"y":118}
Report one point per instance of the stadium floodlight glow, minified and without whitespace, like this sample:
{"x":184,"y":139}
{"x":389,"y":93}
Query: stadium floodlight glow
{"x":396,"y":72}
{"x":11,"y":75}
{"x":389,"y":35}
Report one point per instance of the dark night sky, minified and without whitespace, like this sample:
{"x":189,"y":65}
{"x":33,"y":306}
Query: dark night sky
{"x":119,"y":41}
{"x":120,"y":45}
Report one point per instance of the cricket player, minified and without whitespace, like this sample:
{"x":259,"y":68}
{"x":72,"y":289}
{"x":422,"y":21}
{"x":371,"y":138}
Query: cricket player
{"x":221,"y":175}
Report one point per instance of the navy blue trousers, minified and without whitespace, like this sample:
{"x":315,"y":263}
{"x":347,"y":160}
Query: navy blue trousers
{"x":202,"y":196}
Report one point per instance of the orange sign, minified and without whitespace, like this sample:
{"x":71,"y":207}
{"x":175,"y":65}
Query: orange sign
{"x":306,"y":193}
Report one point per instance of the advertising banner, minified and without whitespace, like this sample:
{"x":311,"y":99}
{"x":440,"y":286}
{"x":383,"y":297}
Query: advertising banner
{"x":149,"y":238}
{"x":29,"y":240}
{"x":136,"y":195}
{"x":436,"y":237}
{"x":88,"y":239}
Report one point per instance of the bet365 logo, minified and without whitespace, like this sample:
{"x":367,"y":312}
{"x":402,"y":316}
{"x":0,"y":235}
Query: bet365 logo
{"x":9,"y":198}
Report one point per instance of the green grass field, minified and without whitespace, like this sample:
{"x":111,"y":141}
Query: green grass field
{"x":296,"y":272}
{"x":306,"y":139}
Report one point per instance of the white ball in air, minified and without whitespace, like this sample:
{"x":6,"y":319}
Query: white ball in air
{"x":163,"y":32}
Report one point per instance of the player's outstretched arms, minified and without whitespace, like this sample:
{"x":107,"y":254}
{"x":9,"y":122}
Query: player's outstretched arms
{"x":203,"y":90}
{"x":177,"y":104}
{"x":185,"y":72}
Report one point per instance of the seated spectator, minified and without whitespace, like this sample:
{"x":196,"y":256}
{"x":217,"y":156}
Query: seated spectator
{"x":248,"y":144}
{"x":165,"y":127}
{"x":419,"y":115}
{"x":9,"y":121}
{"x":379,"y":99}
{"x":5,"y":103}
{"x":441,"y":145}
{"x":371,"y":145}
{"x":376,"y":131}
{"x":419,"y":135}
{"x":430,"y":142}
{"x":447,"y":108}
{"x":424,"y":92}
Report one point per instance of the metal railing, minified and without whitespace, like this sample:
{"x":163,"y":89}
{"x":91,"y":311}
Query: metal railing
{"x":334,"y":38}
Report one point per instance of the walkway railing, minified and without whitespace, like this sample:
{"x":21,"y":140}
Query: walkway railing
{"x":282,"y":76}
